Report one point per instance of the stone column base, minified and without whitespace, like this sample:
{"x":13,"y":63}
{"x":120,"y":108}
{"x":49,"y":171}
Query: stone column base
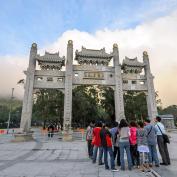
{"x":67,"y":135}
{"x":23,"y":137}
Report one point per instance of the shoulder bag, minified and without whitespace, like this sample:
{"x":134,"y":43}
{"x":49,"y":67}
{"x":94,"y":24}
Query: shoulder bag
{"x":165,"y":136}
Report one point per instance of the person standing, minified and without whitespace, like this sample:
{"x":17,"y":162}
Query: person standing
{"x":89,"y":137}
{"x":50,"y":130}
{"x":133,"y":144}
{"x":96,"y":142}
{"x":124,"y":144}
{"x":163,"y":149}
{"x":115,"y":140}
{"x":142,"y":146}
{"x":152,"y":142}
{"x":106,"y":143}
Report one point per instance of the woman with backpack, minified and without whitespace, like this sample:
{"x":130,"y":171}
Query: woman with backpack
{"x":106,"y":143}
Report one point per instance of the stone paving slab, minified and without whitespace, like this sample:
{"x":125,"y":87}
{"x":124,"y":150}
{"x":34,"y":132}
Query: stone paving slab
{"x":52,"y":158}
{"x":170,"y":170}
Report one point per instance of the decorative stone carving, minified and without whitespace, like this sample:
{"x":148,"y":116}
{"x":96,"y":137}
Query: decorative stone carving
{"x":93,"y":57}
{"x":51,"y":61}
{"x":132,"y":65}
{"x":93,"y":75}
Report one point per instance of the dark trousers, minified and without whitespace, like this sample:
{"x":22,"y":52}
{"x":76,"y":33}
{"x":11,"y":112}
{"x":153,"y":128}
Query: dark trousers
{"x":90,"y":148}
{"x":50,"y":134}
{"x":163,"y":149}
{"x":117,"y":153}
{"x":134,"y":155}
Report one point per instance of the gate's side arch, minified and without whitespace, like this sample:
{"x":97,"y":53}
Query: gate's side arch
{"x":92,"y":69}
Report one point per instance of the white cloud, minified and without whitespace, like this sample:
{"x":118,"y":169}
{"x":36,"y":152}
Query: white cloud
{"x":158,"y":37}
{"x":11,"y":71}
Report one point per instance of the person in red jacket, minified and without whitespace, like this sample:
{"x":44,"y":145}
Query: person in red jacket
{"x":96,"y":142}
{"x":133,"y":144}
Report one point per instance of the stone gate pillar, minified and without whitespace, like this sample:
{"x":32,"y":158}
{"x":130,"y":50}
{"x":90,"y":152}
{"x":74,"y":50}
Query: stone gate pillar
{"x":118,"y":92}
{"x":25,"y":123}
{"x":150,"y":96}
{"x":68,"y":88}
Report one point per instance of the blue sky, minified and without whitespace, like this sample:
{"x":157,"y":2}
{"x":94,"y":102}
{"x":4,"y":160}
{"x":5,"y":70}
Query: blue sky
{"x":136,"y":25}
{"x":43,"y":21}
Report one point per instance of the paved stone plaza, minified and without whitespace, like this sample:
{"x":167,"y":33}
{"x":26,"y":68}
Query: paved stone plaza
{"x":54,"y":158}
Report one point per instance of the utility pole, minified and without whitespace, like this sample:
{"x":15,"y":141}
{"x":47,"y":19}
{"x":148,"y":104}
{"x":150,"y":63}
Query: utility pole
{"x":8,"y":123}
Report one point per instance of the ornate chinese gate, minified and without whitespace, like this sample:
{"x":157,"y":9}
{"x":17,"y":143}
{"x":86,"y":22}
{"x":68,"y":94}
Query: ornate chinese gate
{"x":92,"y":69}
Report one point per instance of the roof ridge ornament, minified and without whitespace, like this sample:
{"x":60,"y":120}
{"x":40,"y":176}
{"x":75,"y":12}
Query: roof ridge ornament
{"x":51,"y":61}
{"x":145,"y":53}
{"x":115,"y":45}
{"x":135,"y":58}
{"x":48,"y":53}
{"x":132,"y":62}
{"x":93,"y":57}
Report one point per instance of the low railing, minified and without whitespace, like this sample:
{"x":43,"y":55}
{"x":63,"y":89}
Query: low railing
{"x":41,"y":135}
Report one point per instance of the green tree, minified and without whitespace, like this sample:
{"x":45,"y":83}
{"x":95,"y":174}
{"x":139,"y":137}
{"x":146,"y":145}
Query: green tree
{"x":172,"y":109}
{"x":107,"y":102}
{"x":85,"y":106}
{"x":48,"y":106}
{"x":15,"y":112}
{"x":135,"y":105}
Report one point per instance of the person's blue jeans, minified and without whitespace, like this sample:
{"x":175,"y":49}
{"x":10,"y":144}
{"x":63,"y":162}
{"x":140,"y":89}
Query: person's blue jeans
{"x":125,"y":146}
{"x":152,"y":155}
{"x":106,"y":150}
{"x":95,"y":150}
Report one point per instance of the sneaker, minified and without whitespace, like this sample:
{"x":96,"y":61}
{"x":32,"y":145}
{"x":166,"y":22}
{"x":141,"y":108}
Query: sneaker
{"x":157,"y":165}
{"x":101,"y":163}
{"x":150,"y":165}
{"x":106,"y":168}
{"x":148,"y":170}
{"x":114,"y":169}
{"x":163,"y":164}
{"x":91,"y":157}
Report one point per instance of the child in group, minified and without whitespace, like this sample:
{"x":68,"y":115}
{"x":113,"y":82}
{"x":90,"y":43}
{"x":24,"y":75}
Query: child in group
{"x":142,"y":146}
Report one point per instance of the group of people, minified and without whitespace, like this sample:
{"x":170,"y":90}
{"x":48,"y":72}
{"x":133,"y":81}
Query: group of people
{"x":137,"y":139}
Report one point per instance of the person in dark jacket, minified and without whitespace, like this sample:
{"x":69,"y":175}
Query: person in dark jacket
{"x":89,"y":137}
{"x":50,"y":130}
{"x":106,"y":143}
{"x":115,"y":140}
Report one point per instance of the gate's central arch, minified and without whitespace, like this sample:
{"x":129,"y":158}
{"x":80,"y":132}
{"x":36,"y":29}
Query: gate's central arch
{"x":92,"y":69}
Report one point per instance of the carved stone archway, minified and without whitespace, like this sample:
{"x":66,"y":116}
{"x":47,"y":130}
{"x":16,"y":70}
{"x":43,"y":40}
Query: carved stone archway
{"x":92,"y":69}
